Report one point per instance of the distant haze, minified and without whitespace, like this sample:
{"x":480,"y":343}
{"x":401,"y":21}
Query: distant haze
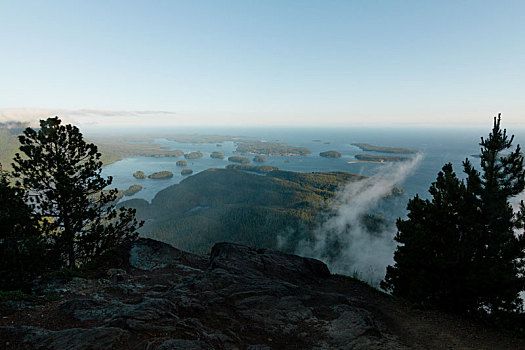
{"x":101,"y":120}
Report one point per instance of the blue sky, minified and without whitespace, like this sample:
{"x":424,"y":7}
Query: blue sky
{"x":267,"y":62}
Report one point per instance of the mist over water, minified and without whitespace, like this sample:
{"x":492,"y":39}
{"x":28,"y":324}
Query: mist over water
{"x":360,"y":252}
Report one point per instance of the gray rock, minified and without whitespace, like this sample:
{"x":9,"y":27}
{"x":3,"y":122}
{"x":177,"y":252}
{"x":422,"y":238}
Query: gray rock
{"x":239,"y":298}
{"x":72,"y":339}
{"x":148,"y":254}
{"x":150,"y":314}
{"x":241,"y":259}
{"x":183,"y":344}
{"x":87,"y":309}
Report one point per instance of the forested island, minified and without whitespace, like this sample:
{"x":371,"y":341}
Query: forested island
{"x":379,"y":159}
{"x":161,"y":175}
{"x":371,"y":148}
{"x":181,"y":163}
{"x":330,"y":154}
{"x":261,"y":169}
{"x":217,"y":155}
{"x":237,"y":159}
{"x":228,"y":205}
{"x":259,"y":159}
{"x":186,"y":172}
{"x":133,"y":189}
{"x":139,"y":175}
{"x":270,"y":149}
{"x":193,"y":155}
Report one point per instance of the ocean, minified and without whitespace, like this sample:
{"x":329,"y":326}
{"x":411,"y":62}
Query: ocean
{"x":437,"y":146}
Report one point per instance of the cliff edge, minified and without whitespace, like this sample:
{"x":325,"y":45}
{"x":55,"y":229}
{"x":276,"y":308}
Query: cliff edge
{"x":159,"y":297}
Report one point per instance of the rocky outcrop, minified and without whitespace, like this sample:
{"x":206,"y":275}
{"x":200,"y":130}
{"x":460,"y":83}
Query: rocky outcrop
{"x":237,"y":298}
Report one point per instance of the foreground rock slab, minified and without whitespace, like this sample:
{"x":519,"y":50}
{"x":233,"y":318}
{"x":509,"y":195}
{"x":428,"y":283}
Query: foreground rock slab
{"x":237,"y":298}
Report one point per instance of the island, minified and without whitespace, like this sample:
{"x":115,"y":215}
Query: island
{"x":270,"y":148}
{"x":133,"y":189}
{"x":371,"y":148}
{"x":237,"y":159}
{"x":193,"y":155}
{"x":181,"y":163}
{"x":248,"y":207}
{"x":218,"y":145}
{"x":377,"y":159}
{"x":261,"y":169}
{"x":161,"y":175}
{"x":217,"y":155}
{"x":259,"y":159}
{"x":330,"y":154}
{"x":139,"y":175}
{"x":186,"y":172}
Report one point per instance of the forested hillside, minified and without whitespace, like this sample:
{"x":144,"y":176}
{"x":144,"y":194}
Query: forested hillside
{"x":236,"y":206}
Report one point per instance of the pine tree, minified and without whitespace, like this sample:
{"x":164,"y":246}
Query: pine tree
{"x":61,"y":175}
{"x":22,"y":247}
{"x":462,"y":250}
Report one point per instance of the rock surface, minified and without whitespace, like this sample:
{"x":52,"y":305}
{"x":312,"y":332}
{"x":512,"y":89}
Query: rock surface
{"x":237,"y":298}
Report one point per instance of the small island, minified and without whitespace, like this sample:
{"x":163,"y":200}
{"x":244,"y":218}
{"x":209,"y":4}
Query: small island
{"x":217,"y":155}
{"x":371,"y":148}
{"x":218,"y":145}
{"x":237,"y":159}
{"x":161,"y":175}
{"x":259,"y":159}
{"x":181,"y":163}
{"x":133,"y":189}
{"x":139,"y":175}
{"x":193,"y":155}
{"x":186,"y":172}
{"x":330,"y":154}
{"x":261,"y":169}
{"x":378,"y":159}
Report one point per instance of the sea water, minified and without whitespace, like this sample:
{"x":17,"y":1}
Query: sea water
{"x":437,"y":145}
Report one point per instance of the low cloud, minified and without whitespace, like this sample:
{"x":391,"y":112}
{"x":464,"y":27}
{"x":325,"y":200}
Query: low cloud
{"x":345,"y":242}
{"x":89,"y":117}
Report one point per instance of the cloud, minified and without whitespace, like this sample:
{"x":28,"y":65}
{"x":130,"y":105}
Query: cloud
{"x":90,"y":117}
{"x":345,"y":242}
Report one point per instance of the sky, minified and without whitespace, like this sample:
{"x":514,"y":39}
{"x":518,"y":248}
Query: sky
{"x":264,"y":62}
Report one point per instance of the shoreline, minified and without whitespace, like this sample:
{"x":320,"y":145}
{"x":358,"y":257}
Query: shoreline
{"x":366,"y":161}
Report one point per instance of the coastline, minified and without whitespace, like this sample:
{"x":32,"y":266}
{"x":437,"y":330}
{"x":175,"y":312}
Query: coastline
{"x":366,"y":161}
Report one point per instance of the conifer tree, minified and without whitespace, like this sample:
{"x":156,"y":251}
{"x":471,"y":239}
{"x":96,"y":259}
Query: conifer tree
{"x":61,"y":174}
{"x":464,"y":249}
{"x":22,"y":248}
